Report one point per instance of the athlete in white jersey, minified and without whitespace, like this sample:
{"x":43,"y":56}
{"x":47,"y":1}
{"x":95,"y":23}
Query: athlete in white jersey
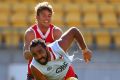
{"x":51,"y":62}
{"x":57,"y":68}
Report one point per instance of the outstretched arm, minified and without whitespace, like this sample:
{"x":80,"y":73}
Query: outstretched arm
{"x":68,"y":37}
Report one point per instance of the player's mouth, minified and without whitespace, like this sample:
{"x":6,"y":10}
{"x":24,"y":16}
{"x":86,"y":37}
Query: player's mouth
{"x":42,"y":60}
{"x":46,"y":21}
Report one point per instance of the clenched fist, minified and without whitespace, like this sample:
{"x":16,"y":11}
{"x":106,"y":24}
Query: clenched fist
{"x":87,"y":54}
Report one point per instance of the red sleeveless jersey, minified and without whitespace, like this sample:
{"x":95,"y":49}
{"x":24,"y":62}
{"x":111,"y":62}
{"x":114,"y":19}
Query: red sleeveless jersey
{"x":48,"y":37}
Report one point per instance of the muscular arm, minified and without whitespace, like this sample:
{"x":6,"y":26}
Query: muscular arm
{"x":37,"y":74}
{"x":68,"y":37}
{"x":29,"y":36}
{"x":57,"y":32}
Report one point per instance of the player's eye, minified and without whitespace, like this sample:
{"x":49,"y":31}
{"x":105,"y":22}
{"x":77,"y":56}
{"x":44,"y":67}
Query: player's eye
{"x":40,"y":51}
{"x":33,"y":54}
{"x":49,"y":15}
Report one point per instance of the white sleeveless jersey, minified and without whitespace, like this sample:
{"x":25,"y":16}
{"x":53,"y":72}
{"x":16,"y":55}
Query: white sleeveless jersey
{"x":54,"y":69}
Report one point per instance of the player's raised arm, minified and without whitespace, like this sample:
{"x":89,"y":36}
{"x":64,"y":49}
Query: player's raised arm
{"x":68,"y":37}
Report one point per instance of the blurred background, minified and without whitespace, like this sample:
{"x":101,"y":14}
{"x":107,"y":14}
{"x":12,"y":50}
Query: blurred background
{"x":98,"y":20}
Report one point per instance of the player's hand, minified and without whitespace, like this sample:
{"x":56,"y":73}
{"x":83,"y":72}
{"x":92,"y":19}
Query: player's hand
{"x":87,"y":54}
{"x":27,"y":55}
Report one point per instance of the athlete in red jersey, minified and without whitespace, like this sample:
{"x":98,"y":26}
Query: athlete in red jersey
{"x":47,"y":37}
{"x":43,"y":29}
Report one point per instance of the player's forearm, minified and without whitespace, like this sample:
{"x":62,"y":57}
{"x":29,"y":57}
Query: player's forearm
{"x":79,"y":37}
{"x":85,"y":51}
{"x":27,"y":54}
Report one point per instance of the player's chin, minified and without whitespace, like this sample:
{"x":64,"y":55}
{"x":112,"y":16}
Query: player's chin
{"x":46,"y":24}
{"x":43,"y":62}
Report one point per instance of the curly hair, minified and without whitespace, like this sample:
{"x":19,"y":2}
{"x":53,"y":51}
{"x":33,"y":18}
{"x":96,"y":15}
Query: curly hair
{"x":36,"y":42}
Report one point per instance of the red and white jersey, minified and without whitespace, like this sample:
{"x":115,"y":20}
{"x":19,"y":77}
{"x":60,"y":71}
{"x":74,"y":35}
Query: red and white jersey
{"x":47,"y":37}
{"x":57,"y":68}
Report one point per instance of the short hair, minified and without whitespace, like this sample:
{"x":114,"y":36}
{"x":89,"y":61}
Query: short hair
{"x":36,"y":42}
{"x":43,"y":6}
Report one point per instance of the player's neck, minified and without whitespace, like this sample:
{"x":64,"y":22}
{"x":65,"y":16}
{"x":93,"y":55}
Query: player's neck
{"x":43,"y":28}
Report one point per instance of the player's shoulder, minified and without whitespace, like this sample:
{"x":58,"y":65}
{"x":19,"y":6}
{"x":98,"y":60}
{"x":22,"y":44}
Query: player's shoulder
{"x":57,"y":29}
{"x":29,"y":31}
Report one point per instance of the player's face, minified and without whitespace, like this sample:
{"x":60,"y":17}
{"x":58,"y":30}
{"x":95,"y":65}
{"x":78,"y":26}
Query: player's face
{"x":40,"y":54}
{"x":44,"y":18}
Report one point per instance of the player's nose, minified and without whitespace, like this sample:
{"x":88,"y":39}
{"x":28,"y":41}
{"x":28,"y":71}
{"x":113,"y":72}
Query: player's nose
{"x":39,"y":56}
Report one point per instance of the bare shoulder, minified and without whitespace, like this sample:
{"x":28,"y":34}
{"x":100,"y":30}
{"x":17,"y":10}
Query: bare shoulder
{"x":57,"y":29}
{"x":57,"y":33}
{"x":33,"y":68}
{"x":29,"y":32}
{"x":29,"y":35}
{"x":37,"y":74}
{"x":35,"y":71}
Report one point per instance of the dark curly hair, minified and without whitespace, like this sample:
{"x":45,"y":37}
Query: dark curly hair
{"x":36,"y":42}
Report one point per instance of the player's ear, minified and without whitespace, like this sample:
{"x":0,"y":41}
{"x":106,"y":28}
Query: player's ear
{"x":36,"y":17}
